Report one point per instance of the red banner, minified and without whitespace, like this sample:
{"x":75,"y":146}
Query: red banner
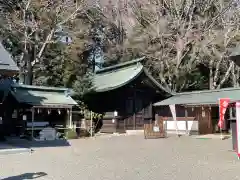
{"x":223,"y":104}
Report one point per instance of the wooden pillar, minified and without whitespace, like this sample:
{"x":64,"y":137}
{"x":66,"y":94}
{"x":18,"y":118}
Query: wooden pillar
{"x":231,"y":112}
{"x":209,"y":113}
{"x":156,"y":117}
{"x":91,"y":124}
{"x":134,"y":121}
{"x":134,"y":110}
{"x":150,"y":113}
{"x":186,"y":121}
{"x":70,"y":118}
{"x":32,"y":123}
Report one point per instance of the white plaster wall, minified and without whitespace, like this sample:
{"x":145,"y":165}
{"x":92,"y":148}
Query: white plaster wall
{"x":170,"y":125}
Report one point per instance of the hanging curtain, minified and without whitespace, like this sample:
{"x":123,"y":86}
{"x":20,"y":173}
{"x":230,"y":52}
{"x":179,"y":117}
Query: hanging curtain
{"x":173,"y":111}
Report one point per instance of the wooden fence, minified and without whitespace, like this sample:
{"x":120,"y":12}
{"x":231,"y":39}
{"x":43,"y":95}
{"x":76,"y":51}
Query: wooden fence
{"x":155,"y":129}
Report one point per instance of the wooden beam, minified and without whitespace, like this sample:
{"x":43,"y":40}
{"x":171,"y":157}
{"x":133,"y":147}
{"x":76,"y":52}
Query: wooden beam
{"x":53,"y":106}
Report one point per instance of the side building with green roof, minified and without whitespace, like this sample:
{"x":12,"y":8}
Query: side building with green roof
{"x":198,"y":111}
{"x":28,"y":109}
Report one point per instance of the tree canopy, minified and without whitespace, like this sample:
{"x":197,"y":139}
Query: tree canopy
{"x":60,"y":43}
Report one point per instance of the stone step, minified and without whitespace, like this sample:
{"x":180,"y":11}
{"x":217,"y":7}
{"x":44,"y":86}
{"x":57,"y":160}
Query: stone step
{"x":11,"y":149}
{"x":15,"y":151}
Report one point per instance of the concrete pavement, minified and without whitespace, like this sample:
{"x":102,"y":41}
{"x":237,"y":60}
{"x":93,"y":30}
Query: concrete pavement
{"x":127,"y":158}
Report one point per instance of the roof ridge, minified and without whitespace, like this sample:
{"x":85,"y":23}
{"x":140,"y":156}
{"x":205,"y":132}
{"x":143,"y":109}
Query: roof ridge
{"x":120,"y":65}
{"x":122,"y":68}
{"x":209,"y":91}
{"x":23,"y":86}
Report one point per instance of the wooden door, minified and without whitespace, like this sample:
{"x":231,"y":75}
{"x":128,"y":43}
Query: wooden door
{"x":129,"y":116}
{"x":139,"y":113}
{"x":204,"y":120}
{"x":148,"y":113}
{"x":135,"y":114}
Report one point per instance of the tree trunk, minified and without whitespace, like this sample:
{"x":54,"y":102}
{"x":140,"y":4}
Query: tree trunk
{"x":22,"y":75}
{"x":211,"y":79}
{"x":235,"y":76}
{"x":226,"y":76}
{"x":29,"y":68}
{"x":29,"y":74}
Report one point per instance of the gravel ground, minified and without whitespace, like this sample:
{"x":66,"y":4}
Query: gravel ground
{"x":128,"y":158}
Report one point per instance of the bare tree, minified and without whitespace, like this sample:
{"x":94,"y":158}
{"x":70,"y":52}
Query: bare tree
{"x":179,"y":35}
{"x":165,"y":35}
{"x":216,"y":45}
{"x":35,"y":24}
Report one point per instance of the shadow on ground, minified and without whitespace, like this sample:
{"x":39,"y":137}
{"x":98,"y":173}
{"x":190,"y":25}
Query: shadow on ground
{"x":26,"y":176}
{"x":22,"y":143}
{"x":21,"y":146}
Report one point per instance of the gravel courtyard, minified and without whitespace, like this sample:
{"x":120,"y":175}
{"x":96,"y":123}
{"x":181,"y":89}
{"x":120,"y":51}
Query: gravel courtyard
{"x":128,"y":158}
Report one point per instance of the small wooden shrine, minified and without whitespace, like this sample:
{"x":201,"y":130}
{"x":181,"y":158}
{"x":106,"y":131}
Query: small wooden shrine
{"x":30,"y":109}
{"x":124,"y":93}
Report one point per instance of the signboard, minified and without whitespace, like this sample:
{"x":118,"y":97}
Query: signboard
{"x":24,"y":117}
{"x":115,"y":113}
{"x":155,"y":129}
{"x":238,"y":127}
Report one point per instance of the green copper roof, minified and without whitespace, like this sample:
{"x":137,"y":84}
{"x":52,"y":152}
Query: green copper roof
{"x":116,"y":78}
{"x":202,"y":97}
{"x":40,"y":95}
{"x":121,"y":65}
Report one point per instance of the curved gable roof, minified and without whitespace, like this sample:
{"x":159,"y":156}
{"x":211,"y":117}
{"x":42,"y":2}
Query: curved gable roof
{"x":114,"y":77}
{"x":117,"y":78}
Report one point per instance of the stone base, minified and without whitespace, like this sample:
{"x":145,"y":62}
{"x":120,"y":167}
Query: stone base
{"x":180,"y":132}
{"x":134,"y":132}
